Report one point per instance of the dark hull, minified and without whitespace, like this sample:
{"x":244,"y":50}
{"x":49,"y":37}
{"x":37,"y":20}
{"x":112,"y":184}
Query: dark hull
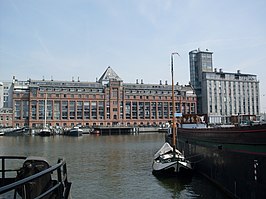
{"x":75,"y":133}
{"x":167,"y":172}
{"x":45,"y":133}
{"x":170,"y":172}
{"x":17,"y":132}
{"x":234,"y":159}
{"x":235,"y":135}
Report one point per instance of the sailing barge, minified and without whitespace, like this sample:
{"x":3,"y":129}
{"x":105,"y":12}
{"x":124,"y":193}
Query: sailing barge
{"x":234,"y":158}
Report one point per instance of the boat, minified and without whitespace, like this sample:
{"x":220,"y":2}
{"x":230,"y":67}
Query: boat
{"x":95,"y":132}
{"x":75,"y":131}
{"x":233,"y":157}
{"x":35,"y":178}
{"x":17,"y":131}
{"x":45,"y":132}
{"x":168,"y":160}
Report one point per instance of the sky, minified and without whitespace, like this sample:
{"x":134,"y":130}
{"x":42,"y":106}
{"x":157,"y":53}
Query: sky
{"x":65,"y":39}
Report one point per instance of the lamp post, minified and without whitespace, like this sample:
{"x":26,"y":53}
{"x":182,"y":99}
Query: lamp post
{"x":173,"y":100}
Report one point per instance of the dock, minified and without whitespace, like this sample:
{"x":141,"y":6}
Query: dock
{"x":117,"y":130}
{"x":122,"y":130}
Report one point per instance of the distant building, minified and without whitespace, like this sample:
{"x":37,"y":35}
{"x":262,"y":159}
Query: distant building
{"x":6,"y":113}
{"x":221,"y":94}
{"x":108,"y":101}
{"x":6,"y":117}
{"x":6,"y":94}
{"x":200,"y":62}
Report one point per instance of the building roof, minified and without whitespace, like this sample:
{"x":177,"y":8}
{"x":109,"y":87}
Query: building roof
{"x":109,"y":74}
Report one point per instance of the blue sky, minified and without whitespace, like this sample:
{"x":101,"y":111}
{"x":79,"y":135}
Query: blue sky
{"x":81,"y":38}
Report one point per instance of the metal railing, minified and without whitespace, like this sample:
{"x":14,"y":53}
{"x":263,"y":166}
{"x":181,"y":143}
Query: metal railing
{"x":60,"y":186}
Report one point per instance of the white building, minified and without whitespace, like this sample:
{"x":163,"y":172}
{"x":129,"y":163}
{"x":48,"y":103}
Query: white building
{"x":6,"y":94}
{"x":220,"y":94}
{"x":227,"y":94}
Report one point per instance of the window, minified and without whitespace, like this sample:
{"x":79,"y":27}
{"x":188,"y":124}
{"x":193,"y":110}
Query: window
{"x":72,"y":110}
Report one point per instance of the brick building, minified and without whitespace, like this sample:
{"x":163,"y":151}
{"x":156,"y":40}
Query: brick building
{"x":108,"y":101}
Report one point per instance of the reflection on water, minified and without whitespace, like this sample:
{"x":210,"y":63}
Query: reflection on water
{"x":110,"y":166}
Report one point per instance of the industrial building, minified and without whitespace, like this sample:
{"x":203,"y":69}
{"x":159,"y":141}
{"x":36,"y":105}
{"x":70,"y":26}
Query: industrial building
{"x":106,"y":102}
{"x":222,"y":94}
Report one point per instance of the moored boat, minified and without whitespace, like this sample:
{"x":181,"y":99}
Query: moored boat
{"x":95,"y":132}
{"x":17,"y":131}
{"x":251,"y":134}
{"x":34,"y":179}
{"x":234,"y":158}
{"x":75,"y":131}
{"x":45,"y":132}
{"x":168,"y":160}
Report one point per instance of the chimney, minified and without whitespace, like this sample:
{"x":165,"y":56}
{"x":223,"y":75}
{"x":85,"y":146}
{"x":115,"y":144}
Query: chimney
{"x":141,"y":81}
{"x":238,"y":71}
{"x":220,"y":70}
{"x":14,"y":79}
{"x":215,"y":70}
{"x":137,"y":81}
{"x":160,"y":82}
{"x":78,"y":79}
{"x":166,"y":82}
{"x":72,"y":79}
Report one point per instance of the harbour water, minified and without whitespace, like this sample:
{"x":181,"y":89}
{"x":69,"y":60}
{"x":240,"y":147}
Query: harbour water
{"x":116,"y":166}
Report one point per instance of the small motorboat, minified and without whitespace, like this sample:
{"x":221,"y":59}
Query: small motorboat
{"x":17,"y":131}
{"x":167,"y":161}
{"x":95,"y":132}
{"x":75,"y":131}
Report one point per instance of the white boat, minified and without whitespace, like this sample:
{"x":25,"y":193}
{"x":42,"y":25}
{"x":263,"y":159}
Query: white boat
{"x":45,"y":132}
{"x":167,"y":161}
{"x":75,"y":131}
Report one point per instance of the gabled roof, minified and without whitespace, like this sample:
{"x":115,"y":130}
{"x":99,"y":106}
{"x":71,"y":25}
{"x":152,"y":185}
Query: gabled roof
{"x":109,"y":74}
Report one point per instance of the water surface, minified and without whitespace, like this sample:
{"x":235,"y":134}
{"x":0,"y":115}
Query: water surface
{"x":110,"y":166}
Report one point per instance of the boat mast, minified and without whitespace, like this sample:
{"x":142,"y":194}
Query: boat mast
{"x":45,"y":107}
{"x":173,"y":100}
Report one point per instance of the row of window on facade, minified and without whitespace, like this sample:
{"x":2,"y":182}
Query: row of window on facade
{"x":98,"y":110}
{"x":236,"y":87}
{"x":233,"y":110}
{"x":231,"y":99}
{"x":87,"y":96}
{"x":5,"y":118}
{"x":34,"y":91}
